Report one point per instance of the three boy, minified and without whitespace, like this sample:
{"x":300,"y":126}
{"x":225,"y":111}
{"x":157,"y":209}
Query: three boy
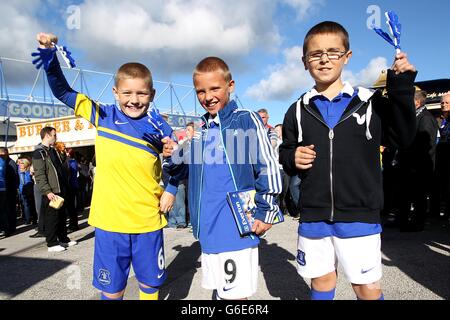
{"x":331,"y":135}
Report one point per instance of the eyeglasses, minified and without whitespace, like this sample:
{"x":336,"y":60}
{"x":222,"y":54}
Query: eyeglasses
{"x":332,"y":55}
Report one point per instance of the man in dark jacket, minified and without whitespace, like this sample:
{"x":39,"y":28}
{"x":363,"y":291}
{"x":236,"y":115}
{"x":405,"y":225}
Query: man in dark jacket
{"x":417,"y":164}
{"x":12,"y":185}
{"x":51,"y":180}
{"x":443,"y":159}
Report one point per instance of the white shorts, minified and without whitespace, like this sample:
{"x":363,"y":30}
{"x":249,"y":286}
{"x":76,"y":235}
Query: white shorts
{"x":233,"y":274}
{"x":359,"y":257}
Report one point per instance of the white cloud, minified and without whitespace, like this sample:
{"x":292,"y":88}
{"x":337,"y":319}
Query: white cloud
{"x":174,"y":34}
{"x":284,"y":79}
{"x":18,"y":30}
{"x":368,"y":75}
{"x":169,"y":36}
{"x":290,"y":78}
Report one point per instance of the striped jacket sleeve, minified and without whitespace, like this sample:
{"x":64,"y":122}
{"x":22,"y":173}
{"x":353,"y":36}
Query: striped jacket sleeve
{"x":267,"y":174}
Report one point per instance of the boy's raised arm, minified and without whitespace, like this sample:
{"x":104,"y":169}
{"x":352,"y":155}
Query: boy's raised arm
{"x":46,"y":57}
{"x":400,"y":90}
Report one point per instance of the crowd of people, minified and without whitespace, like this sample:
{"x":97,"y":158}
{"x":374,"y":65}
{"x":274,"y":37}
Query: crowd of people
{"x":22,"y":195}
{"x":416,"y":178}
{"x":322,"y":165}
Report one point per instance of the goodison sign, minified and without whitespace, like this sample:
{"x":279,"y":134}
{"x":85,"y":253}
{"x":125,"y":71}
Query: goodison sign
{"x":33,"y":110}
{"x":38,"y":110}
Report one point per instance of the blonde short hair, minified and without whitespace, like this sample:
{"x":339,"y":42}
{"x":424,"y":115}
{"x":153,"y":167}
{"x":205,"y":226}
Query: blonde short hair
{"x":212,"y":64}
{"x":133,"y":70}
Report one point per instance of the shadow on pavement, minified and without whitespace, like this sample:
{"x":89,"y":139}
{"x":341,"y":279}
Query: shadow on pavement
{"x":88,"y":236}
{"x":180,"y":272}
{"x":21,"y":227}
{"x":19,"y":274}
{"x":423,"y":256}
{"x":281,"y":276}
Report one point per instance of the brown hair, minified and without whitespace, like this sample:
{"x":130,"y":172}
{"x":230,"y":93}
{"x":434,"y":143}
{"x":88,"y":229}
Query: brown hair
{"x":327,"y":27}
{"x":45,"y":131}
{"x":190,"y":124}
{"x":133,"y":70}
{"x":211,"y":64}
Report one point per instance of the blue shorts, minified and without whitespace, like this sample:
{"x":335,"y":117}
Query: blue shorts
{"x":114,"y":253}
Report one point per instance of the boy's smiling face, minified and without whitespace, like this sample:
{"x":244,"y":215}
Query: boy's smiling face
{"x":325,"y":71}
{"x":213,"y":91}
{"x":134,"y":96}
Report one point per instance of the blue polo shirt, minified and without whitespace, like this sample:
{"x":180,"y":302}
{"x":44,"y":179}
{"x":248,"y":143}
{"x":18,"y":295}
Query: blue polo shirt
{"x":218,"y":230}
{"x":332,"y":112}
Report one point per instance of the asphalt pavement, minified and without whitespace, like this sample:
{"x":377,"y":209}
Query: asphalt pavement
{"x":416,"y":266}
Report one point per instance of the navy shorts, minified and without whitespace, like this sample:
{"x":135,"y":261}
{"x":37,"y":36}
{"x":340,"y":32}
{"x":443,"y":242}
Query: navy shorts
{"x":114,"y":253}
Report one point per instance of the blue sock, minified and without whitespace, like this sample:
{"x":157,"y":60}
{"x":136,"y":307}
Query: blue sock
{"x":103,"y":297}
{"x":322,"y":295}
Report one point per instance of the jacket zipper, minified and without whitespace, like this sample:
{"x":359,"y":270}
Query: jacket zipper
{"x":54,"y":169}
{"x":331,"y":137}
{"x":201,"y":184}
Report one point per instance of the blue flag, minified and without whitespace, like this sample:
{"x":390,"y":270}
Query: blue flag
{"x":395,"y":29}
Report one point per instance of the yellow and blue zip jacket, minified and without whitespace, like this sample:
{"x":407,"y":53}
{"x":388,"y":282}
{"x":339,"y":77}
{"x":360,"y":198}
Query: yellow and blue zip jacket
{"x":127,"y":182}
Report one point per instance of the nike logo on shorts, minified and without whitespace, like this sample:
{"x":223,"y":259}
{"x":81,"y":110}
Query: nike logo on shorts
{"x":365,"y":271}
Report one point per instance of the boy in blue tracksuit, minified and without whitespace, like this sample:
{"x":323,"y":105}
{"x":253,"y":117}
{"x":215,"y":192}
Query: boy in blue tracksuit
{"x":230,"y":152}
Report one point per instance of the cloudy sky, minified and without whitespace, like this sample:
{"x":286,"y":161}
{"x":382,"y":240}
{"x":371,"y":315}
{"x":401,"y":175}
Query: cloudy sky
{"x":261,"y":40}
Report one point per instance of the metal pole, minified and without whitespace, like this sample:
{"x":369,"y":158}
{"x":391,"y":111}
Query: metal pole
{"x":34,"y":85}
{"x":2,"y":75}
{"x":171,"y":104}
{"x":1,"y":79}
{"x":43,"y":87}
{"x":103,"y":91}
{"x":195,"y":104}
{"x":7,"y":132}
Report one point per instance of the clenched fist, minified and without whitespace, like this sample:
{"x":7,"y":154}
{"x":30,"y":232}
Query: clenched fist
{"x":46,"y":40}
{"x":304,"y":157}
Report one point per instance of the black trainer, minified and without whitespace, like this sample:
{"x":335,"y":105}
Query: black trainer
{"x":37,"y":235}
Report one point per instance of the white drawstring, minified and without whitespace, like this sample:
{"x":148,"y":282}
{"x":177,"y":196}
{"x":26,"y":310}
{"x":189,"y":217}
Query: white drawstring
{"x":368,"y":118}
{"x":299,"y":124}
